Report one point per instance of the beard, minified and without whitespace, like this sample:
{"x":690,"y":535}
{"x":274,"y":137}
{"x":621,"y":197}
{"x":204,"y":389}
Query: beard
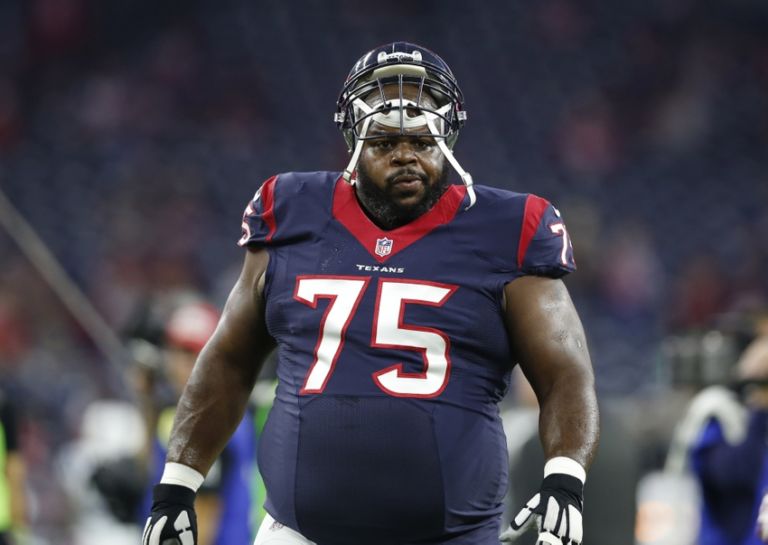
{"x":384,"y":209}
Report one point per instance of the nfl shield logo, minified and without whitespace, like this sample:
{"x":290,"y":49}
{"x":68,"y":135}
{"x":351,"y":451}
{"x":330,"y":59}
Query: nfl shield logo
{"x":383,"y":246}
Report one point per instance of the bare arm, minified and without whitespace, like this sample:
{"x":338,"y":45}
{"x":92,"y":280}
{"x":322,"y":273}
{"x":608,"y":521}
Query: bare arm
{"x":548,"y":342}
{"x":215,"y":398}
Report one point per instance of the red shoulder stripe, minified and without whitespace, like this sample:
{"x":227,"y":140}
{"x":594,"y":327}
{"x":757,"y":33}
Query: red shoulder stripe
{"x":534,"y":210}
{"x":268,"y":206}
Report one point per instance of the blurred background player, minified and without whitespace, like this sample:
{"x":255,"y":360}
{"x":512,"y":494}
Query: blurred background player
{"x":121,"y":444}
{"x":730,"y":455}
{"x":224,"y":503}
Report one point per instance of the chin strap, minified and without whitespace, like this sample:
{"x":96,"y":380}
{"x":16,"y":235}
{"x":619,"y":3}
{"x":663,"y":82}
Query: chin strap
{"x":349,"y":171}
{"x":387,"y":119}
{"x":466,"y":177}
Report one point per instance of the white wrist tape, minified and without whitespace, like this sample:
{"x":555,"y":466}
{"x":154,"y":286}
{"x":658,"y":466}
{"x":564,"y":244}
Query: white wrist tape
{"x":181,"y":475}
{"x":568,"y":466}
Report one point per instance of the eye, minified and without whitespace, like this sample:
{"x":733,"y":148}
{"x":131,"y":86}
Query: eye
{"x":424,"y":144}
{"x":383,"y":143}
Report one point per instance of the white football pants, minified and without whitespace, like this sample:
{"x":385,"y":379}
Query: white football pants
{"x":272,"y":532}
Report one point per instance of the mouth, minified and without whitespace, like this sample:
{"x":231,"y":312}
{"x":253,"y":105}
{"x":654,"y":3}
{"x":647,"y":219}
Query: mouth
{"x":408,"y":181}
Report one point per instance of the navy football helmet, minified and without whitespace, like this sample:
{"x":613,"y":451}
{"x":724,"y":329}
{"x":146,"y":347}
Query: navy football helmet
{"x":362,"y":101}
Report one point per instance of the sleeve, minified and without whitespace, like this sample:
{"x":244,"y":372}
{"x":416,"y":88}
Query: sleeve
{"x":259,"y":224}
{"x":544,"y":248}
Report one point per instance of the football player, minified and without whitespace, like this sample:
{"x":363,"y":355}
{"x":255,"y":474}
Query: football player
{"x":729,"y":457}
{"x":223,"y":501}
{"x":398,"y":303}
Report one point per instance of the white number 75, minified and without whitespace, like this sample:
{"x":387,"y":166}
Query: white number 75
{"x":389,"y":331}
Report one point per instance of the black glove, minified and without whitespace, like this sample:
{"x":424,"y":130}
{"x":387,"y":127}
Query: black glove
{"x":556,"y":509}
{"x":172,"y":520}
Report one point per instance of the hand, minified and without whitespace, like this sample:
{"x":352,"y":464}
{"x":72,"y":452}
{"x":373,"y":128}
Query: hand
{"x":172,"y":520}
{"x":556,"y":508}
{"x":762,"y":520}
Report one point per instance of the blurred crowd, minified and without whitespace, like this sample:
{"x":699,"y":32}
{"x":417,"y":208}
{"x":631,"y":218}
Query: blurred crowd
{"x":132,"y":134}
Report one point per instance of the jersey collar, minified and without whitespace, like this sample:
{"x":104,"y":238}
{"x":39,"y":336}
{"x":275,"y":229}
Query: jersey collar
{"x":384,"y":244}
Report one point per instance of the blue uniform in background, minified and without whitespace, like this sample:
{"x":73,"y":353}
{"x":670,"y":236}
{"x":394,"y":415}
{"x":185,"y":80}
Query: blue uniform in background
{"x":392,"y":357}
{"x":733,"y":480}
{"x":231,"y":479}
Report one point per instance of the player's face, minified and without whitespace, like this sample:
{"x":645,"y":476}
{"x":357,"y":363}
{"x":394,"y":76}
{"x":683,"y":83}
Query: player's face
{"x":399,"y":177}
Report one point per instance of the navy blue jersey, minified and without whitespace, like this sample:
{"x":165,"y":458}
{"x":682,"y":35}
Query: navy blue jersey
{"x":392,"y":356}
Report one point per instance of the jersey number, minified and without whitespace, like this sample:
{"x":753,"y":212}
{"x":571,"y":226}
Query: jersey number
{"x":389,"y":331}
{"x":558,"y":228}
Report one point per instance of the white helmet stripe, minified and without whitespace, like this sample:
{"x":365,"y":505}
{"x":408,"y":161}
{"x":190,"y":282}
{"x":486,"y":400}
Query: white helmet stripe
{"x":393,"y":116}
{"x":356,"y":154}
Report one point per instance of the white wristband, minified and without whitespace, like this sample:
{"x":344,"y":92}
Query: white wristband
{"x":181,"y":475}
{"x":568,"y":466}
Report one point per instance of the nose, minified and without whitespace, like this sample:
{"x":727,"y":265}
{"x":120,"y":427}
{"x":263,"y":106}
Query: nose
{"x":403,"y":153}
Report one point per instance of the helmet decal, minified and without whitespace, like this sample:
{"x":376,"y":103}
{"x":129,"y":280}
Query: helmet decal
{"x":414,"y":56}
